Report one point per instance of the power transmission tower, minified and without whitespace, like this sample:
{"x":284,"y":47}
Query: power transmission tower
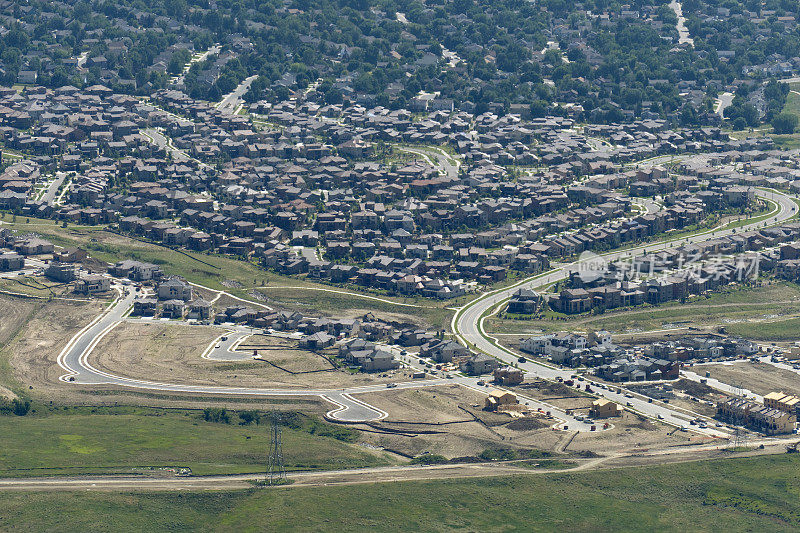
{"x":275,"y":468}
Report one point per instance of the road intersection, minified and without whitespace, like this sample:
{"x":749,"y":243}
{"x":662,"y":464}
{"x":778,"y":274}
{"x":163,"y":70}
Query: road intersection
{"x":467,"y":326}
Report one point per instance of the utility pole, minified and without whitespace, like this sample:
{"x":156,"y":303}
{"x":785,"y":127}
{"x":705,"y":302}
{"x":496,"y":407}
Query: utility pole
{"x":275,"y":468}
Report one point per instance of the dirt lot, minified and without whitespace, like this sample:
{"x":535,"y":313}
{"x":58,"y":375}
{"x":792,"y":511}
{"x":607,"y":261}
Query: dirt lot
{"x":33,"y":352}
{"x":432,"y":420}
{"x":284,"y":354}
{"x":630,"y":432}
{"x":13,"y":313}
{"x":761,"y":378}
{"x":446,"y":421}
{"x":171,"y":352}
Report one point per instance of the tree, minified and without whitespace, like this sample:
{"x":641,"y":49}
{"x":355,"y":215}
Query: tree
{"x":784,"y":123}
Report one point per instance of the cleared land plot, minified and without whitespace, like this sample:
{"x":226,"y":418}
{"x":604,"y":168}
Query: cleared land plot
{"x":33,"y":352}
{"x":172,"y":353}
{"x":159,"y":348}
{"x":13,"y":314}
{"x":138,"y":440}
{"x":629,"y":432}
{"x":457,"y":424}
{"x":761,"y":378}
{"x":37,"y":286}
{"x":433,"y":420}
{"x":724,"y":495}
{"x":283,"y":353}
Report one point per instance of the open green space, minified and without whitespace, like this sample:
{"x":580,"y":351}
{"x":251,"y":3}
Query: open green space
{"x":339,"y":302}
{"x":213,"y":270}
{"x":721,"y":308}
{"x":81,"y":440}
{"x":792,"y":105}
{"x":758,"y":494}
{"x":777,"y":330}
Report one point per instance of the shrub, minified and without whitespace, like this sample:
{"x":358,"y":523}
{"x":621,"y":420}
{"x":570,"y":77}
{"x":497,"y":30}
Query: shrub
{"x":248,"y":417}
{"x":785,"y":123}
{"x":19,"y":407}
{"x":216,"y":414}
{"x":429,"y":459}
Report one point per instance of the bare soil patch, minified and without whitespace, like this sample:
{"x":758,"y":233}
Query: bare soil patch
{"x":761,"y":378}
{"x":33,"y":353}
{"x":629,"y":432}
{"x":13,"y":313}
{"x":172,"y":353}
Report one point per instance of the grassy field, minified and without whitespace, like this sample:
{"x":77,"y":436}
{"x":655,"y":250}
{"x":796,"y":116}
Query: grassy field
{"x":212,"y":270}
{"x":337,"y":303}
{"x":792,"y":105}
{"x":735,"y":303}
{"x":727,"y":495}
{"x":73,"y":440}
{"x":777,"y":330}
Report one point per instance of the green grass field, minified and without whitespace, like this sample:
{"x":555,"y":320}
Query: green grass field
{"x":792,"y":104}
{"x":757,"y":494}
{"x":719,"y":308}
{"x":128,"y":439}
{"x":212,"y":270}
{"x":778,"y":330}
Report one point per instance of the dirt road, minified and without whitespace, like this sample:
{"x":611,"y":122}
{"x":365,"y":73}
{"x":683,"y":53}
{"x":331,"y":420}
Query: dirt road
{"x":376,"y":475}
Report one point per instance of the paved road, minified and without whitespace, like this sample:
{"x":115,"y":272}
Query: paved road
{"x":467,"y":324}
{"x":683,"y":32}
{"x":74,"y":360}
{"x":161,"y":140}
{"x":724,"y":100}
{"x":232,"y":101}
{"x":49,"y":196}
{"x":224,"y":347}
{"x":444,"y":162}
{"x":177,"y":80}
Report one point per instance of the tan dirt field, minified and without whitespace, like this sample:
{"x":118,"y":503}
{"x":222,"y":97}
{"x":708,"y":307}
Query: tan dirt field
{"x":761,"y":378}
{"x":44,"y":332}
{"x":13,"y":313}
{"x":172,"y":352}
{"x":451,"y":432}
{"x":34,"y":351}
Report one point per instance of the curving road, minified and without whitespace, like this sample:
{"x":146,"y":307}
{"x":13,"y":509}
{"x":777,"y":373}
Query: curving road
{"x":467,"y":323}
{"x":74,"y":360}
{"x":448,"y":165}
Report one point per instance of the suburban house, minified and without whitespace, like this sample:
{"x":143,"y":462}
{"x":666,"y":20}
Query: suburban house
{"x":499,"y":398}
{"x":602,"y":408}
